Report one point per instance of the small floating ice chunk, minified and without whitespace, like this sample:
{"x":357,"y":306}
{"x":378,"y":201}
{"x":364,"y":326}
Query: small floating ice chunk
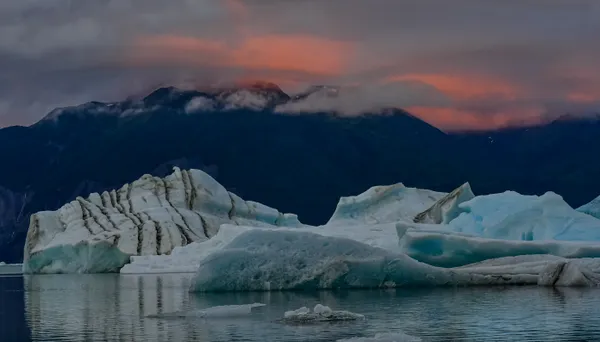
{"x":384,"y":337}
{"x":320,"y":313}
{"x":302,"y":311}
{"x":223,"y":311}
{"x":322,"y":310}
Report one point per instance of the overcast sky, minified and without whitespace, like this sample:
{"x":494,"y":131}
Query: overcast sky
{"x":456,"y":64}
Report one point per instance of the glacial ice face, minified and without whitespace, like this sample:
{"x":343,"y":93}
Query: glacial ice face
{"x":383,"y":204}
{"x":150,"y":216}
{"x":263,"y":259}
{"x":592,"y":208}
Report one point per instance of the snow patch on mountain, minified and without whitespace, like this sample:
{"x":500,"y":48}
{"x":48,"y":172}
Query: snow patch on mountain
{"x":200,"y":103}
{"x":357,"y":100}
{"x":245,"y":99}
{"x":90,"y":108}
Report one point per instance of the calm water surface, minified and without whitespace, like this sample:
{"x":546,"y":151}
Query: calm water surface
{"x":113,"y":308}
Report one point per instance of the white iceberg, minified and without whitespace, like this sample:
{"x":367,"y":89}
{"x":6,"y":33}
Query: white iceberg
{"x":150,"y":216}
{"x":592,"y":208}
{"x":320,"y":313}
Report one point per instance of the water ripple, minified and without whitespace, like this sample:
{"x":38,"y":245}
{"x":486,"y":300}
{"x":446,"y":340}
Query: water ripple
{"x":114,"y":308}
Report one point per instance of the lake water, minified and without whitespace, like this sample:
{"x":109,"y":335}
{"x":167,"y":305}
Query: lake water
{"x":113,"y":308}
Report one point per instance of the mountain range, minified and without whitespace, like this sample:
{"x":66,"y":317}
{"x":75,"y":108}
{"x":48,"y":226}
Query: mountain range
{"x":253,"y":142}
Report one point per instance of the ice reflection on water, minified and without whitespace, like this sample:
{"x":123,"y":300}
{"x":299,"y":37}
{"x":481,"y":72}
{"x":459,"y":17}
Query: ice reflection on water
{"x":113,"y":308}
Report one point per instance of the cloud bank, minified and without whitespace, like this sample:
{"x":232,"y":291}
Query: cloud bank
{"x":457,"y":64}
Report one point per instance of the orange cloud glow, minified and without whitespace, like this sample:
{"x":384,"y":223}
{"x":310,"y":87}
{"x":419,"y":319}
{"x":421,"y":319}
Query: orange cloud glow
{"x":275,"y":55}
{"x":453,"y":119}
{"x":462,"y":87}
{"x":466,"y":87}
{"x":273,"y":52}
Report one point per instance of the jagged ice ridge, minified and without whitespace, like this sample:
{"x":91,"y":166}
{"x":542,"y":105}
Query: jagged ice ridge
{"x":150,"y":216}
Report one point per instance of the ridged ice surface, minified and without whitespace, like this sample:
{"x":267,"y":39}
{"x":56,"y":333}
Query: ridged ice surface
{"x":150,"y":216}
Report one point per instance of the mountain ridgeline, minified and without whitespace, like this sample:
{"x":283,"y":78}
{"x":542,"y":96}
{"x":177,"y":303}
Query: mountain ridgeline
{"x":299,"y":163}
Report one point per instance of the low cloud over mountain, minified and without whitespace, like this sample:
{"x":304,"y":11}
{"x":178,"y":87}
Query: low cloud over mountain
{"x":460,"y":64}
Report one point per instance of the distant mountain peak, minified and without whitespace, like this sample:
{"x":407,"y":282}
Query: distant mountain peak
{"x":259,"y":85}
{"x":572,"y":117}
{"x":248,"y":95}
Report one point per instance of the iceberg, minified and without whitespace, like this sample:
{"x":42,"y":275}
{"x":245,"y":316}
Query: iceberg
{"x":320,"y":313}
{"x":259,"y":259}
{"x":512,"y":216}
{"x":501,"y":225}
{"x":440,"y":247}
{"x":433,"y":244}
{"x":187,"y":259}
{"x":369,"y":218}
{"x":592,"y":208}
{"x":383,"y":204}
{"x":388,"y":236}
{"x":151,"y":216}
{"x":10,"y":269}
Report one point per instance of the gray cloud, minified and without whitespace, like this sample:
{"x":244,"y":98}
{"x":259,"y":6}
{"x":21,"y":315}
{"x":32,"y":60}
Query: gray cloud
{"x":62,"y":52}
{"x":372,"y":98}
